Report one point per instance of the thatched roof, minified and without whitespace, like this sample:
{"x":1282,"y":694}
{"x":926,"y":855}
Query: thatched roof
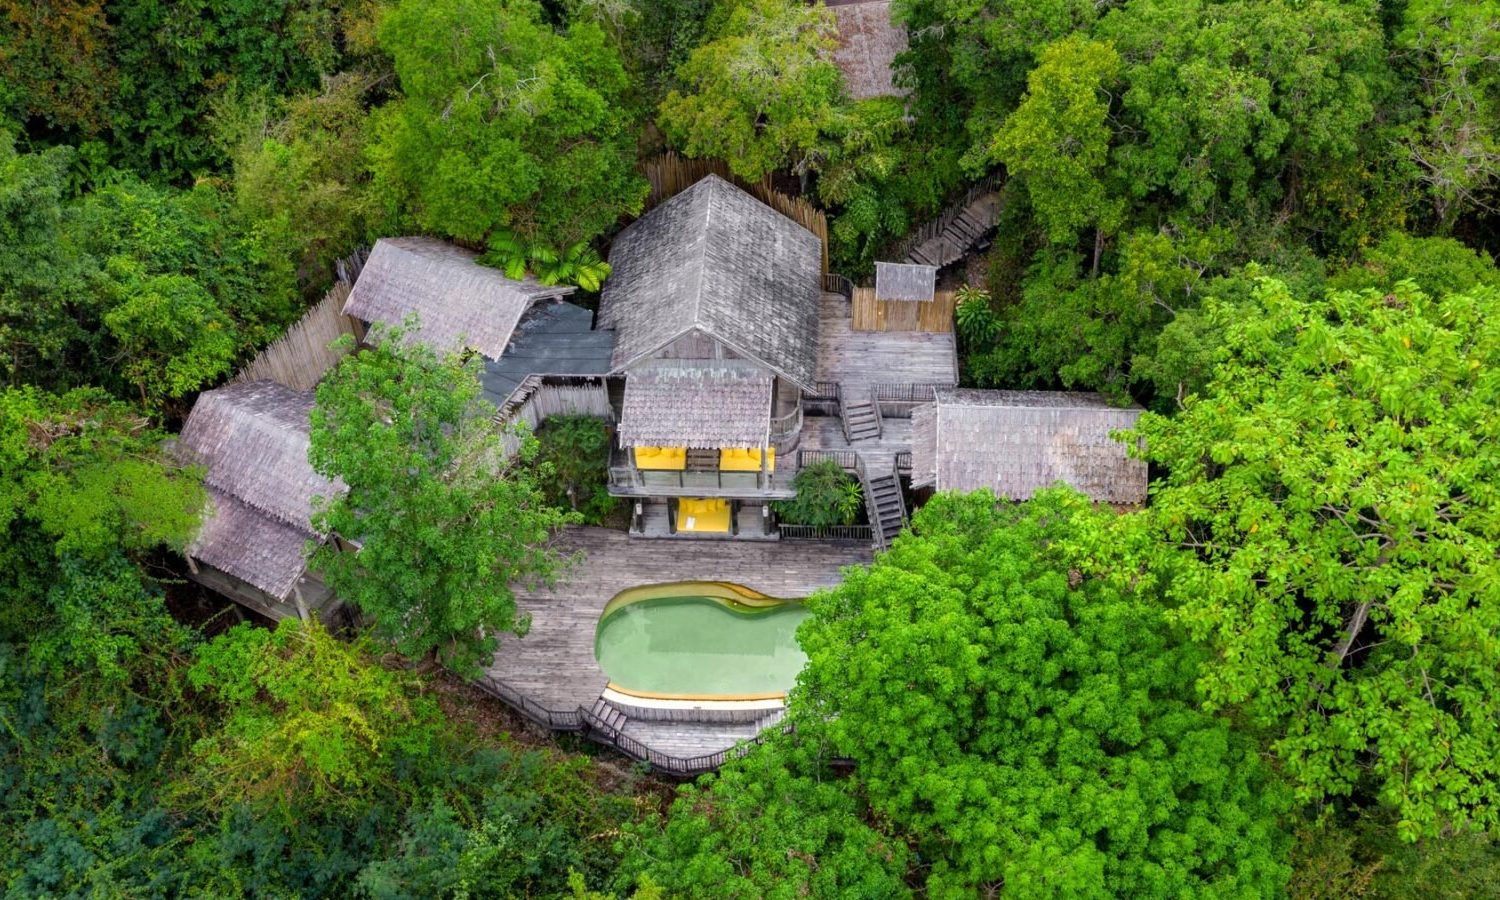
{"x":868,"y":44}
{"x":252,"y":437}
{"x":458,"y":303}
{"x":905,"y":281}
{"x":715,"y":259}
{"x":554,"y":337}
{"x":696,"y":404}
{"x":1017,"y":442}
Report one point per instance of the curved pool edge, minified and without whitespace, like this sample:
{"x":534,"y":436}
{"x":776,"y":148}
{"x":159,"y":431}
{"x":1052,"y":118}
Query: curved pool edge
{"x":718,"y":710}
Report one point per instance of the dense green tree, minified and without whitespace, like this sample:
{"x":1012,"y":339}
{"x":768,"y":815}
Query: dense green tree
{"x":826,"y":495}
{"x":1456,"y":146}
{"x":1329,"y":506}
{"x":575,"y":452}
{"x":1031,"y":727}
{"x":761,"y":828}
{"x":446,"y":516}
{"x":761,"y":91}
{"x":55,"y":63}
{"x":505,"y":125}
{"x":1058,"y":138}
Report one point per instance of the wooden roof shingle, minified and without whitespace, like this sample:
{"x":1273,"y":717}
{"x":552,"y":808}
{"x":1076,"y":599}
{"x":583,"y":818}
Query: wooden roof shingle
{"x":459,"y":304}
{"x":696,"y":404}
{"x":716,"y":259}
{"x":252,"y":437}
{"x":905,"y":281}
{"x":1018,"y":442}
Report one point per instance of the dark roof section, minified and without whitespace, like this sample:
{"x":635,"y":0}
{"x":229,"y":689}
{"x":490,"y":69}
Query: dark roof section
{"x":553,"y":338}
{"x":253,"y":437}
{"x":1018,"y":442}
{"x":716,"y":259}
{"x":905,"y":281}
{"x":696,"y":404}
{"x":459,"y":304}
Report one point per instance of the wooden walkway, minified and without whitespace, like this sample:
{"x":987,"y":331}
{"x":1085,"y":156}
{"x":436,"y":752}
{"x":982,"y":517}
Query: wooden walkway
{"x":554,"y":666}
{"x":946,"y":239}
{"x":856,"y":360}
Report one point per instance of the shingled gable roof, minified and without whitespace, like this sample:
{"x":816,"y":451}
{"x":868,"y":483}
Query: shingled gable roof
{"x":253,"y":438}
{"x":715,"y":259}
{"x":458,"y":303}
{"x":1017,"y":442}
{"x":695,"y":404}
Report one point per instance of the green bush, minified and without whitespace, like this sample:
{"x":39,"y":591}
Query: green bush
{"x":577,"y":449}
{"x":826,"y":495}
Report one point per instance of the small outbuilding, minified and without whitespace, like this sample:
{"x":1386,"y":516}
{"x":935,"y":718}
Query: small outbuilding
{"x":252,"y":437}
{"x":1018,"y":442}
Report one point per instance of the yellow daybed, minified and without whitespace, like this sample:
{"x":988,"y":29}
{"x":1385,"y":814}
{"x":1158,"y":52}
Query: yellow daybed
{"x":735,"y":459}
{"x":659,"y":458}
{"x":710,"y":516}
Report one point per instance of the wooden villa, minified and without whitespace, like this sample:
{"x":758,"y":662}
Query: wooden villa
{"x":252,"y":439}
{"x":1018,"y":442}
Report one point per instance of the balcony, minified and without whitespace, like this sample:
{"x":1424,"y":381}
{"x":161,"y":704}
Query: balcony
{"x":697,"y":473}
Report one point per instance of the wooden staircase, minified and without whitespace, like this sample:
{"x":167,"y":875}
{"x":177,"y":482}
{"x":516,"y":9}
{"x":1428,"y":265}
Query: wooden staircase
{"x":960,"y":228}
{"x":886,"y":507}
{"x":606,"y":719}
{"x":861,"y":420}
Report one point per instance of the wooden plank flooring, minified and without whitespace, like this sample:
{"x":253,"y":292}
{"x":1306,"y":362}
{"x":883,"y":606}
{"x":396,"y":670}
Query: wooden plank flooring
{"x":825,"y":433}
{"x":858,"y":359}
{"x":554,"y":663}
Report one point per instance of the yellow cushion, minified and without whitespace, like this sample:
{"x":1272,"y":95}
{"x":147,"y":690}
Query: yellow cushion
{"x":737,"y":459}
{"x":703,"y":515}
{"x":661,"y":458}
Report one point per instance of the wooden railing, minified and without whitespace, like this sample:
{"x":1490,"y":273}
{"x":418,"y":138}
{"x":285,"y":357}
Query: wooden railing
{"x":834,"y":283}
{"x":824,"y":400}
{"x":597,"y":729}
{"x":708,"y":481}
{"x":906,"y":393}
{"x":903,"y":462}
{"x":848,"y":460}
{"x":951,"y":212}
{"x":864,"y":533}
{"x":786,"y":429}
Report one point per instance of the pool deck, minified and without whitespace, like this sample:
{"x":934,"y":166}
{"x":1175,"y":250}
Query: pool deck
{"x":554,"y":665}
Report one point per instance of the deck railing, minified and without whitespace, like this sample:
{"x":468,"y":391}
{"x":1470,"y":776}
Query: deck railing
{"x":834,"y":283}
{"x":848,"y":460}
{"x":903,"y":462}
{"x":556,"y":719}
{"x":863,"y":533}
{"x":824,"y":400}
{"x":645,"y":481}
{"x":896,"y":392}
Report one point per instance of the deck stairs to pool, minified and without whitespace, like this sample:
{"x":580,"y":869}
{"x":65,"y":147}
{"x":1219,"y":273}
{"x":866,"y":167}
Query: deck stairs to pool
{"x":861,"y":419}
{"x":886,"y":507}
{"x":606,"y":719}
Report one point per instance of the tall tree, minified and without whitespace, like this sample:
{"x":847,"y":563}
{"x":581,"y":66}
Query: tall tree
{"x":505,"y":125}
{"x":1330,"y":508}
{"x":1033,"y":728}
{"x":761,"y":91}
{"x":446,"y":517}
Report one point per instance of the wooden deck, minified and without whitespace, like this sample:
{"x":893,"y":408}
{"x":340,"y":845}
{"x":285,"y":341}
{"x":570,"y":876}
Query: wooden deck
{"x":825,"y":433}
{"x":859,"y":359}
{"x":554,"y":665}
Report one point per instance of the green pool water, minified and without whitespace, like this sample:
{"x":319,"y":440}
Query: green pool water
{"x":700,"y":641}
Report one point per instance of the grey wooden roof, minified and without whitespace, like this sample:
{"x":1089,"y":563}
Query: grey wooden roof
{"x":252,"y":437}
{"x":868,"y":44}
{"x":1017,"y":442}
{"x":696,"y":404}
{"x":905,"y":281}
{"x":554,"y":337}
{"x":716,"y":259}
{"x":458,"y":303}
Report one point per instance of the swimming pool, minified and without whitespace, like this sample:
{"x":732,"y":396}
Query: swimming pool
{"x":700,"y":640}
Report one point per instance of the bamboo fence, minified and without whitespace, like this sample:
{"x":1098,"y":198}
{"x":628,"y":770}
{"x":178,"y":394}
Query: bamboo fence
{"x":299,"y":358}
{"x":869,"y":314}
{"x":670,"y":174}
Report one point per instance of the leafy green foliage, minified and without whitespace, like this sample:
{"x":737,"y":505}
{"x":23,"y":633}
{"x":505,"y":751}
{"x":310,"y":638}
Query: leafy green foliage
{"x":826,"y":496}
{"x":574,"y":454}
{"x":578,"y":264}
{"x":1029,"y":725}
{"x":1058,"y":138}
{"x":505,"y":124}
{"x":760,"y":91}
{"x":1330,"y":502}
{"x":760,"y":828}
{"x":306,"y":719}
{"x":446,"y":518}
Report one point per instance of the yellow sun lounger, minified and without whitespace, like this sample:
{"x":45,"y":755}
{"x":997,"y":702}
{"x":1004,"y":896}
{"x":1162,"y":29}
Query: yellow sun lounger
{"x":709,"y":516}
{"x":735,"y":459}
{"x":672,"y":458}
